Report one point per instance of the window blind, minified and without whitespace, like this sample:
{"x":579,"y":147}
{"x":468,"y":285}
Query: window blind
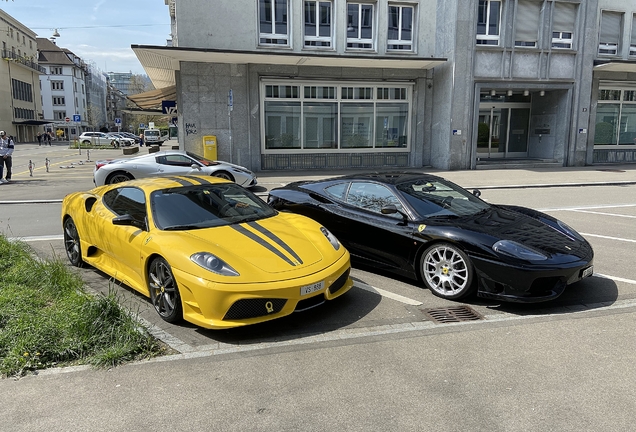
{"x":610,"y":27}
{"x":564,"y":17}
{"x":527,"y":20}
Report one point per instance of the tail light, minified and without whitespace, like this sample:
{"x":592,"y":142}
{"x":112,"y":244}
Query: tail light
{"x":101,"y":163}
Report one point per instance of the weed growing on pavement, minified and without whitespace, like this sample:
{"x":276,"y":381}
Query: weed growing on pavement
{"x":48,"y":319}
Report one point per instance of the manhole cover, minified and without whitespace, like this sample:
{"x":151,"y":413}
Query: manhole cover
{"x":452,"y":314}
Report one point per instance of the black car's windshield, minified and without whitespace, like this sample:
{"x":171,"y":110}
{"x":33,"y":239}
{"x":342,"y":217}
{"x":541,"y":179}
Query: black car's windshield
{"x":205,"y":206}
{"x":439,"y":198}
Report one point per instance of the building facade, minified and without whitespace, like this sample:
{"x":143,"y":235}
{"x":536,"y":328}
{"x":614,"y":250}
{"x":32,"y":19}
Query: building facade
{"x":63,"y":89}
{"x":21,"y":111}
{"x":347,"y":84}
{"x":96,"y":91}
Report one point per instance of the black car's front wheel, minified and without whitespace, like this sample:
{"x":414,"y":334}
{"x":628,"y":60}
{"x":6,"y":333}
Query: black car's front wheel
{"x":72,"y":243}
{"x":164,"y":292}
{"x":447,"y":271}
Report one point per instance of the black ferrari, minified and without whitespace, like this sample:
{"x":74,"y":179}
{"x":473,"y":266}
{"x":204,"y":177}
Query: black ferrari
{"x":425,"y":227}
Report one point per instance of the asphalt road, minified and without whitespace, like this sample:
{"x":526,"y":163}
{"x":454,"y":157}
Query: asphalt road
{"x":370,"y":360}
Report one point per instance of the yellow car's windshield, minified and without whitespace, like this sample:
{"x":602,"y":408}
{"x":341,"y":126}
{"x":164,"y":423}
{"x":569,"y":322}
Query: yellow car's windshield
{"x":205,"y":206}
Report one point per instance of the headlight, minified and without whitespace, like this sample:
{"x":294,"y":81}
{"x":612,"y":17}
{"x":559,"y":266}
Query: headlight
{"x":332,"y":238}
{"x":570,"y":231}
{"x":213,"y":263}
{"x":516,"y":250}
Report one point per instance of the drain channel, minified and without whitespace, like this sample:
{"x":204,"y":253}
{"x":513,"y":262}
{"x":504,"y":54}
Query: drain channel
{"x":452,"y":314}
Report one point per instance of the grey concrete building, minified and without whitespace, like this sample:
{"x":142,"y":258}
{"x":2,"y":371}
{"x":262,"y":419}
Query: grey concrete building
{"x":451,"y":84}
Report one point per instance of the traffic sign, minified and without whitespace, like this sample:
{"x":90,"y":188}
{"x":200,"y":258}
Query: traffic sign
{"x":117,"y":121}
{"x":67,"y":119}
{"x":77,"y":118}
{"x":142,"y":126}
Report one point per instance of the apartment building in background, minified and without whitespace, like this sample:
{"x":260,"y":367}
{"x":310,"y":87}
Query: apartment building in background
{"x":21,"y":109}
{"x":368,"y":84}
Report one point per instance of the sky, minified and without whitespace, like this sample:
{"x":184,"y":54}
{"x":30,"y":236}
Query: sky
{"x":98,"y":31}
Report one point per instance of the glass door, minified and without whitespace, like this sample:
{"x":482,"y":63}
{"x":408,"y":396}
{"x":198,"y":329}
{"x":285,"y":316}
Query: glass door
{"x":502,"y":131}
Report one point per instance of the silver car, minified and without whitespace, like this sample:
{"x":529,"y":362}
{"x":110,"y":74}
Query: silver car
{"x":168,"y":163}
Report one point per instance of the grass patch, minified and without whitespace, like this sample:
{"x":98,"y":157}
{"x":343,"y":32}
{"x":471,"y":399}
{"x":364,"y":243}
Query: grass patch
{"x":76,"y":144}
{"x":47,"y":318}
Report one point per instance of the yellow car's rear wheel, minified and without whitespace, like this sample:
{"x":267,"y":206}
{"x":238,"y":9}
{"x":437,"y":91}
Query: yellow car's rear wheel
{"x":72,"y":243}
{"x":164,"y":292}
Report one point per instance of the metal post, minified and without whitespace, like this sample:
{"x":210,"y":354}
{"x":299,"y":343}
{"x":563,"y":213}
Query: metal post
{"x":31,"y":166}
{"x":88,"y":155}
{"x":47,"y":162}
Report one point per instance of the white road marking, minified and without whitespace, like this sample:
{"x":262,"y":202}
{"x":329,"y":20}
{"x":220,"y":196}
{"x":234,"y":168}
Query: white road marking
{"x":604,"y":214}
{"x":608,"y":206}
{"x":616,"y":278}
{"x":608,"y":237}
{"x":37,"y":238}
{"x":387,"y":294}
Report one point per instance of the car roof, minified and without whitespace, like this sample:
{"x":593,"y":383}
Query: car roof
{"x":387,"y":177}
{"x":155,"y":183}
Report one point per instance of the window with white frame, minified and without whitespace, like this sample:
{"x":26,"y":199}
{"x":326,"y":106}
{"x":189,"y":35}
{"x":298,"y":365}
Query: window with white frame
{"x":360,"y":25}
{"x":57,"y":85}
{"x":58,"y":100}
{"x":273,"y":22}
{"x":611,"y":30}
{"x":59,"y":115}
{"x":488,"y":22}
{"x":55,"y":71}
{"x":318,"y":24}
{"x":527,"y":19}
{"x":632,"y":46}
{"x":335,"y":117}
{"x":563,"y":22}
{"x":615,"y":116}
{"x":400,"y":31}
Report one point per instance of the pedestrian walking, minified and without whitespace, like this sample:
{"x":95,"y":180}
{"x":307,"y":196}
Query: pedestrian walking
{"x":6,"y":160}
{"x":48,"y":138}
{"x":141,"y":140}
{"x":39,"y":139}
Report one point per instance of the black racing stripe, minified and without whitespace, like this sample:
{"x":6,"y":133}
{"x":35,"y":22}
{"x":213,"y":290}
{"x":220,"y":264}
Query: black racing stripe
{"x":197,"y":179}
{"x":180,"y":181}
{"x":262,"y":242}
{"x":273,"y":237}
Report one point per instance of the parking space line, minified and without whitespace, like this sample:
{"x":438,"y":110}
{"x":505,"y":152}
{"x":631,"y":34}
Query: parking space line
{"x":616,"y":278}
{"x":604,"y":214}
{"x":37,"y":238}
{"x":608,"y":237}
{"x":608,"y":206}
{"x":387,"y":294}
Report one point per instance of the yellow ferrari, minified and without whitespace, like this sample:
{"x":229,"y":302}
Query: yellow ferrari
{"x":205,"y":250}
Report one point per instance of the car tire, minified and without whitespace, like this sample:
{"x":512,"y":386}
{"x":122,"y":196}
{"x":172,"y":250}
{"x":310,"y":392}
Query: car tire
{"x":118,"y":177}
{"x":224,"y":175}
{"x":86,"y":142}
{"x":164,"y":292}
{"x":72,"y":244}
{"x":447,"y":271}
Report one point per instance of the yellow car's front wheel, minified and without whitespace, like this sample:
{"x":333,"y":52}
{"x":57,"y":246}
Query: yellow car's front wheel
{"x":164,"y":292}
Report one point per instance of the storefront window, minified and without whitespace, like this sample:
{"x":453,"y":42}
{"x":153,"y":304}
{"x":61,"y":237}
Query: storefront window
{"x":616,"y":117}
{"x":282,"y":125}
{"x":331,"y":117}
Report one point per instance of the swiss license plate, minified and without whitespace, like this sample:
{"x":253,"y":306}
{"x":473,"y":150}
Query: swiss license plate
{"x":308,"y":289}
{"x":587,"y":272}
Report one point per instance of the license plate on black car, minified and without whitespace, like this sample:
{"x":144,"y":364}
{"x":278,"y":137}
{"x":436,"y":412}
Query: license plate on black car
{"x":587,"y":272}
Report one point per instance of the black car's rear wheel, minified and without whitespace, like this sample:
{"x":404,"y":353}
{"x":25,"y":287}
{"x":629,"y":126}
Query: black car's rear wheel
{"x":164,"y":292}
{"x":447,"y":271}
{"x":72,"y":243}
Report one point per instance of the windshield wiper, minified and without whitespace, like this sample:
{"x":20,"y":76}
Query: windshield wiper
{"x":181,"y":227}
{"x":443,"y":216}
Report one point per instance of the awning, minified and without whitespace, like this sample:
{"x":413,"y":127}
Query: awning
{"x":615,"y":65}
{"x":160,"y":62}
{"x":32,"y":122}
{"x":151,"y":100}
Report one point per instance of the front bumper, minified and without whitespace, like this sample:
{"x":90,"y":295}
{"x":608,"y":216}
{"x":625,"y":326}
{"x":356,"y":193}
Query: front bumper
{"x":216,"y":306}
{"x":499,"y":281}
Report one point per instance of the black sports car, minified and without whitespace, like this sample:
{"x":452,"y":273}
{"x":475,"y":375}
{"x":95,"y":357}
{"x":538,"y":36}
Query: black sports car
{"x":423,"y":226}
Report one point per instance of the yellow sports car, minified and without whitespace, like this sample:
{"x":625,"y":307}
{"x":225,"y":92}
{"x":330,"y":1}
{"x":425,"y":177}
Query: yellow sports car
{"x":205,"y":250}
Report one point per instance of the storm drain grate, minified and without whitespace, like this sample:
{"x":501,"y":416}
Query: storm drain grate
{"x":452,"y":314}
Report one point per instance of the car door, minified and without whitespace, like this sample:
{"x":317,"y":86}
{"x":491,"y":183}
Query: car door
{"x":175,"y":164}
{"x":385,"y":240}
{"x":124,"y":243}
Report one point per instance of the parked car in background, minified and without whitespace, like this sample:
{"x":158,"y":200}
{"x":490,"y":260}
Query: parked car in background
{"x":122,"y":140}
{"x":205,"y":250}
{"x":423,"y":226}
{"x":169,"y":163}
{"x":132,"y":136}
{"x":98,"y":138}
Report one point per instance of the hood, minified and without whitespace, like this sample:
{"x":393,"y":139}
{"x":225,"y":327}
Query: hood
{"x":503,"y":224}
{"x":272,"y":245}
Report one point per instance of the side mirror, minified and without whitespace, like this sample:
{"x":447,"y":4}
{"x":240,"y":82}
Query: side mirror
{"x":477,"y":192}
{"x":128,"y":220}
{"x":195,"y":166}
{"x":389,"y":209}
